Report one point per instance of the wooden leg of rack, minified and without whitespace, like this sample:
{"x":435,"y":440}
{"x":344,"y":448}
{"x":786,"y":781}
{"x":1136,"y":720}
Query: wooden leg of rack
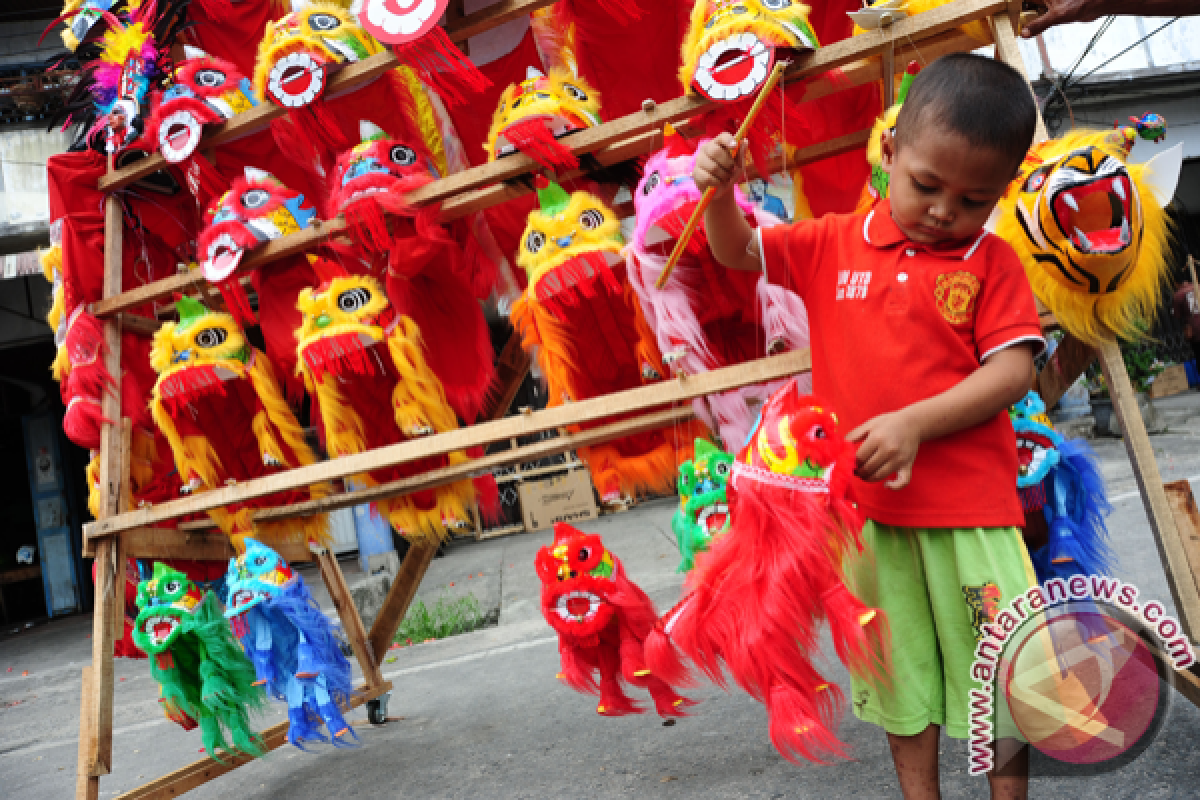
{"x":101,"y":687}
{"x":335,"y":581}
{"x":412,"y":571}
{"x":122,"y":506}
{"x":87,"y":786}
{"x":1171,"y":550}
{"x":1064,"y":367}
{"x":1005,"y":29}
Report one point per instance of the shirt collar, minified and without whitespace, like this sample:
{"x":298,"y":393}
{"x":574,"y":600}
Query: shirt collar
{"x":881,"y":231}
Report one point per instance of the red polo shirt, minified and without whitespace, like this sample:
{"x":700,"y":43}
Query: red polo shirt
{"x":895,"y":322}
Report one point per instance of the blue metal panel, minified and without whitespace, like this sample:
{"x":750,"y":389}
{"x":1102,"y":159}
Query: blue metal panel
{"x":47,"y":484}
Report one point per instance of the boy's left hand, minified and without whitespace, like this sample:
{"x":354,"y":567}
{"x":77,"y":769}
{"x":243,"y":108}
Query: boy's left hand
{"x":888,"y":447}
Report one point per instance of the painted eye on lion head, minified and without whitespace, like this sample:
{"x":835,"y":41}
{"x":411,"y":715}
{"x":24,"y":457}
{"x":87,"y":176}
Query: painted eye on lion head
{"x":353,"y":300}
{"x":403,"y":155}
{"x":323,"y":23}
{"x":652,"y":181}
{"x":591,"y":219}
{"x":721,"y":469}
{"x":817,"y":432}
{"x":575,"y":92}
{"x":209,"y":78}
{"x":211,"y":337}
{"x":1037,"y":179}
{"x":535,"y":241}
{"x":255,"y":199}
{"x":776,"y":5}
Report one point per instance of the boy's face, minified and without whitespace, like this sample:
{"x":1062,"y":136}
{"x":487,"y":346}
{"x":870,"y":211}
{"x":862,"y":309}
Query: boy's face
{"x":942,"y":187}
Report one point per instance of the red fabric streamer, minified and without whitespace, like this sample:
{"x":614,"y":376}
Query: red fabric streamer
{"x":442,"y":66}
{"x":534,"y":139}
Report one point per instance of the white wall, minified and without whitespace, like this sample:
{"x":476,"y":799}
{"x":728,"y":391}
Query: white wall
{"x":23,"y":157}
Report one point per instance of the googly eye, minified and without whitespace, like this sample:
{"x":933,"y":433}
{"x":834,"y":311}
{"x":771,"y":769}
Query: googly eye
{"x":575,"y":92}
{"x":584,"y":553}
{"x":721,"y":469}
{"x":535,"y":241}
{"x":817,"y":432}
{"x":210,"y":78}
{"x":403,"y":155}
{"x":776,"y":5}
{"x":172,"y":587}
{"x":211,"y":337}
{"x":591,"y":219}
{"x":352,"y":300}
{"x":323,"y":22}
{"x":652,"y":181}
{"x":255,"y":198}
{"x":261,"y":561}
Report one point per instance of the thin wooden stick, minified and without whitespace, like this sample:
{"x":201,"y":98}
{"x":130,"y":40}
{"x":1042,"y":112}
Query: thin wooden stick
{"x":698,"y":214}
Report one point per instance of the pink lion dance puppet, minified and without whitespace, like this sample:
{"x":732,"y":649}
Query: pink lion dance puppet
{"x":760,"y":593}
{"x":706,"y":316}
{"x":602,"y":620}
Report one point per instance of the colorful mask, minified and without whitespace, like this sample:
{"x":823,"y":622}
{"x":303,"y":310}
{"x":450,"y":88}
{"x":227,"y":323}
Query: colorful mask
{"x":255,"y":210}
{"x":298,"y":50}
{"x":732,"y":45}
{"x":760,"y":618}
{"x":203,"y":676}
{"x":128,"y":67}
{"x":207,"y":91}
{"x":703,"y":512}
{"x":706,"y":316}
{"x":1060,"y":478}
{"x":593,"y":338}
{"x":602,"y":619}
{"x":220,"y":407}
{"x":292,"y":644}
{"x":535,"y":113}
{"x":1091,"y":231}
{"x":354,"y":349}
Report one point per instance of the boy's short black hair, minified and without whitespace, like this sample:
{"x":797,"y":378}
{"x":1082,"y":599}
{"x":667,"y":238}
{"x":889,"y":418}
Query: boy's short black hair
{"x":985,"y":101}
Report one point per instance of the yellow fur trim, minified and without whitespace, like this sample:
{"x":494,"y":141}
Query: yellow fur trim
{"x":426,"y":117}
{"x":280,"y":421}
{"x":52,"y":263}
{"x":92,"y":475}
{"x":61,"y":364}
{"x":418,"y":393}
{"x":875,"y":143}
{"x":1091,"y":317}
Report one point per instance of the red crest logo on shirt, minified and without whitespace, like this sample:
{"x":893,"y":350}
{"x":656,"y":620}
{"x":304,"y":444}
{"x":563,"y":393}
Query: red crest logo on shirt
{"x":956,"y":293}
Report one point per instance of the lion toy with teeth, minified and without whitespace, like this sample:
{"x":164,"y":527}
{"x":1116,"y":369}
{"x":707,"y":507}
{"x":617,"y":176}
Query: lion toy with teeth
{"x":703,"y":512}
{"x":204,"y":677}
{"x":602,"y":619}
{"x":1091,"y":230}
{"x":219,"y":405}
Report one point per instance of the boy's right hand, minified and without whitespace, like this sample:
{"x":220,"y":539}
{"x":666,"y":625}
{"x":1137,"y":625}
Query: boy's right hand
{"x":718,"y":162}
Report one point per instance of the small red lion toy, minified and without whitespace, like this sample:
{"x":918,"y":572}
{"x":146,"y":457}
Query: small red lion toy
{"x":760,"y":594}
{"x":602,"y":619}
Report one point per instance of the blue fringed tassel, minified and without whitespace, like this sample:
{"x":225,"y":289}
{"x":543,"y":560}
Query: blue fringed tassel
{"x":1076,"y":507}
{"x":303,"y":723}
{"x":341,"y":733}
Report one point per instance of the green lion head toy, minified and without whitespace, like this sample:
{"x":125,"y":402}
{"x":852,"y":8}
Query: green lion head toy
{"x":703,"y":511}
{"x":167,"y":603}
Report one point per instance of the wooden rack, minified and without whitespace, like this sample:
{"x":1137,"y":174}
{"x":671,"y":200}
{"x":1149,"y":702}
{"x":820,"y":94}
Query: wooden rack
{"x":121,"y":532}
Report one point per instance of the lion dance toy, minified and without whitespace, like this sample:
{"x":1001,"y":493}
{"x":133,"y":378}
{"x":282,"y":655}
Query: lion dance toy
{"x":219,"y":405}
{"x":204,"y":677}
{"x":706,"y":316}
{"x":760,"y":593}
{"x":292,"y":644}
{"x":581,"y":312}
{"x":602,"y":619}
{"x":536,"y":113}
{"x":1060,"y":478}
{"x":364,"y":367}
{"x":703,"y":512}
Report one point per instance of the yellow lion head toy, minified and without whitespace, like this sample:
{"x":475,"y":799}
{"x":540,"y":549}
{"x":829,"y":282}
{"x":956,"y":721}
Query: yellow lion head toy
{"x":535,"y":113}
{"x":1091,"y":230}
{"x":731,"y":45}
{"x":568,"y":240}
{"x":298,"y":50}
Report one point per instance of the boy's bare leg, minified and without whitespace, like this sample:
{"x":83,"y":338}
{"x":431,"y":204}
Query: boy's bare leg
{"x":1010,"y":780}
{"x":916,"y":760}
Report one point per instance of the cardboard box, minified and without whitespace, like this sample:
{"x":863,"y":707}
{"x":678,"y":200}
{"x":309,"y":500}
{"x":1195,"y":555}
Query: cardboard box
{"x":1172,"y":380}
{"x":560,"y":498}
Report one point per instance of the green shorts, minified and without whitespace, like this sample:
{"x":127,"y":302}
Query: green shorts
{"x":938,"y":587}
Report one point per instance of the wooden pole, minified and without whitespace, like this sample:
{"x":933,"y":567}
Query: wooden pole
{"x":1005,"y":28}
{"x":87,"y":787}
{"x":404,"y":589}
{"x":335,"y":581}
{"x":1171,"y":550}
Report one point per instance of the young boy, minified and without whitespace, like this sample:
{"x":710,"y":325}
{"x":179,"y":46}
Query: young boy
{"x":924,"y":330}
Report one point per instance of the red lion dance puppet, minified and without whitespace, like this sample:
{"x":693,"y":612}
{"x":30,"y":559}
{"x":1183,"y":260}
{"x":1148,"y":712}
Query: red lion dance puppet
{"x":602,"y":620}
{"x":760,"y":593}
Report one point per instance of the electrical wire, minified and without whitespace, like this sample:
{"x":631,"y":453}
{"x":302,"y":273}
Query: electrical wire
{"x":1127,"y":49}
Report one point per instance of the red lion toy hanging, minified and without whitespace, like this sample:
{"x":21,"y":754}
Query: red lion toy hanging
{"x":602,"y":620}
{"x":760,"y":593}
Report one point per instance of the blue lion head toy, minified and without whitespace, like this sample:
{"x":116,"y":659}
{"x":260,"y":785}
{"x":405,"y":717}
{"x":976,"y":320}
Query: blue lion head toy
{"x":1037,"y":446}
{"x":257,"y":575}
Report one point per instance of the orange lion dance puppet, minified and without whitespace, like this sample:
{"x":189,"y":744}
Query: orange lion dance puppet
{"x":602,"y":620}
{"x":760,"y":593}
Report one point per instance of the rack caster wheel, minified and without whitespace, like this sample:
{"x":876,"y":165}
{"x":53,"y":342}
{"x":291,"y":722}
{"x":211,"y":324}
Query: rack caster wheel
{"x":377,"y":709}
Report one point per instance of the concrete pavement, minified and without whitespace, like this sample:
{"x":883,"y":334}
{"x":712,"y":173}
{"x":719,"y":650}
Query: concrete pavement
{"x":482,"y":715}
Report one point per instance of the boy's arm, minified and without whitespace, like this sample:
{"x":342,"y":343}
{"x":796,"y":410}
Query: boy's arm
{"x":890,"y":441}
{"x":730,"y":237}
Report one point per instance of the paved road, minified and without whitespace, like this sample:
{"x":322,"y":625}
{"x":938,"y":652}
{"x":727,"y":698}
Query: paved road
{"x":482,"y":715}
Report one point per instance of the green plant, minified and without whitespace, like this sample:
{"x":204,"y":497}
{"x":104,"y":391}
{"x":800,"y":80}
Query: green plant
{"x":444,"y":618}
